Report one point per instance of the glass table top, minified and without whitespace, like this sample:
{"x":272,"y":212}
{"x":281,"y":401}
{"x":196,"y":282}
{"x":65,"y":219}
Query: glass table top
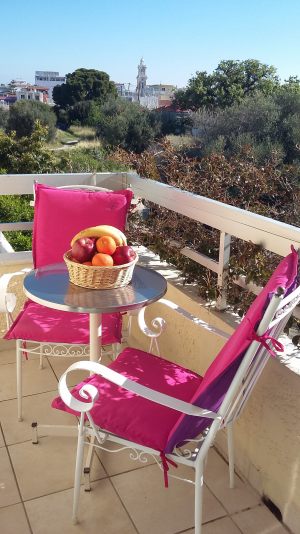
{"x":51,"y":287}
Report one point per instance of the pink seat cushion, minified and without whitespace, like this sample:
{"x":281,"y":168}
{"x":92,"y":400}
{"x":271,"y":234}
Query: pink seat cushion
{"x":61,"y":213}
{"x":38,"y":323}
{"x":133,"y":417}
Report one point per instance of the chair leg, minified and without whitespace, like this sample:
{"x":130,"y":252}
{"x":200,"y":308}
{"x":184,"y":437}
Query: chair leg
{"x":230,"y":444}
{"x":19,"y":377}
{"x":116,"y":348}
{"x":78,"y":467}
{"x":41,"y":357}
{"x":88,"y":464}
{"x":198,"y":497}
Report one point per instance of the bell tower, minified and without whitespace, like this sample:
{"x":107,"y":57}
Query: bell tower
{"x":141,"y":79}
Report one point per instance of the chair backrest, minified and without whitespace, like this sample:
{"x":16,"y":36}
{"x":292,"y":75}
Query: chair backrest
{"x":60,"y":213}
{"x":220,"y":374}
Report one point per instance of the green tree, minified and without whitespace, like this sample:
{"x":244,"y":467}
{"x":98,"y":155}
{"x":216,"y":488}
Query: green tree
{"x":3,"y":118}
{"x":288,"y":131}
{"x":84,"y":85}
{"x":127,"y":125}
{"x":251,"y":123}
{"x":230,"y":82}
{"x":291,"y":85}
{"x":24,"y":114}
{"x":27,"y":154}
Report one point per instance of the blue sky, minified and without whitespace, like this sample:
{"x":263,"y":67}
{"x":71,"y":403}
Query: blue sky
{"x":176,"y":38}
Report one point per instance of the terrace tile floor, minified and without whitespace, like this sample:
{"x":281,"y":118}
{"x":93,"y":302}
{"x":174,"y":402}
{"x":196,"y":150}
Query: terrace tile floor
{"x":36,"y":481}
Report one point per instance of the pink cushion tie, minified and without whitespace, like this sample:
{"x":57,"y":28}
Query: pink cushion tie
{"x":24,"y":351}
{"x":263,"y":340}
{"x":166,"y":468}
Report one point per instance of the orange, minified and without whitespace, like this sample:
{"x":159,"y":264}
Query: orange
{"x":106,"y":244}
{"x":87,"y":263}
{"x":104,"y":260}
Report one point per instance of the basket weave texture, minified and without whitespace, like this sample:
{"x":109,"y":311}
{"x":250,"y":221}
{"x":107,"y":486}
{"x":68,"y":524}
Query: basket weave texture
{"x":99,"y":277}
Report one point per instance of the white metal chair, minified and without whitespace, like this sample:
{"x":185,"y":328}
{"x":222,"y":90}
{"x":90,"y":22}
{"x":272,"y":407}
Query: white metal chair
{"x":171,"y":406}
{"x":42,"y":331}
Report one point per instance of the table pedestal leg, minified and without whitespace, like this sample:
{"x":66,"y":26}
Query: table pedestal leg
{"x":95,"y":336}
{"x":95,"y":356}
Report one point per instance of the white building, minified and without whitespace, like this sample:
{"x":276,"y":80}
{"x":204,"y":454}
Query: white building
{"x":141,"y":79}
{"x":48,"y":79}
{"x":149,"y":96}
{"x":30,"y":93}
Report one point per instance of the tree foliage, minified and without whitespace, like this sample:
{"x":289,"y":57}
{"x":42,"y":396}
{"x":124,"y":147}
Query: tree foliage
{"x":269,"y":125}
{"x":27,"y":154}
{"x":127,"y":125}
{"x":24,"y":114}
{"x":84,"y":85}
{"x":3,"y":118}
{"x":230,"y":82}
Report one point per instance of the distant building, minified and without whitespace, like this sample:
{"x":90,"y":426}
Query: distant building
{"x":141,"y":79}
{"x":14,"y":84}
{"x":49,"y":80}
{"x":150,"y":96}
{"x":33,"y":92}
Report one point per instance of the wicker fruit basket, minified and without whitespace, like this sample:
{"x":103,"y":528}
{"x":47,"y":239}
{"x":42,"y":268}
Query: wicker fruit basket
{"x":99,"y":277}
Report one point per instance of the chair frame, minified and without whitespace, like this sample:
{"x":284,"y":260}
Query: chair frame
{"x":254,"y":360}
{"x":8,"y":302}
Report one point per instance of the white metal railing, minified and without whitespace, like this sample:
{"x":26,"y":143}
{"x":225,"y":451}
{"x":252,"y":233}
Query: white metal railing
{"x":273,"y":235}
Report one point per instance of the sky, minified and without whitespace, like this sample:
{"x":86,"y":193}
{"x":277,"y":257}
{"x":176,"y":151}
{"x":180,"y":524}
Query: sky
{"x":176,"y":38}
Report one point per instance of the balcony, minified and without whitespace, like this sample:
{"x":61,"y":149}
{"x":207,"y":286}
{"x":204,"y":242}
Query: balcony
{"x":129,"y":497}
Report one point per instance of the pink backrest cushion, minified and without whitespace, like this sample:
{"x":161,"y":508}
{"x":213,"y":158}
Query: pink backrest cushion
{"x":219,"y":375}
{"x":60,"y":213}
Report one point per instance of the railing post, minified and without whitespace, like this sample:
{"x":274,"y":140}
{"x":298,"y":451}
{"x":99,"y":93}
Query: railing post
{"x":224,"y":255}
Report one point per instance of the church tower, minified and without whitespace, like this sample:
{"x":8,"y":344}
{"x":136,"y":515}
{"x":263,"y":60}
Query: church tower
{"x":141,"y":79}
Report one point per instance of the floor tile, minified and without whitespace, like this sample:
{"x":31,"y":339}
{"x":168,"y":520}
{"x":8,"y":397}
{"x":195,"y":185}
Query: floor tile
{"x":13,"y":520}
{"x":99,"y":511}
{"x":35,"y":408}
{"x":119,"y":462}
{"x":8,"y":351}
{"x":9,"y":493}
{"x":8,"y":356}
{"x":216,"y":477}
{"x":47,"y":467}
{"x":6,"y":345}
{"x":258,"y":520}
{"x":220,"y":526}
{"x":35,"y":380}
{"x":153,"y":508}
{"x":1,"y":437}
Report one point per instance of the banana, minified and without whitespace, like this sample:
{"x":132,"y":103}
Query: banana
{"x":99,"y":231}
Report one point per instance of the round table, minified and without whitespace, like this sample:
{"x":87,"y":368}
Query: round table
{"x":51,"y":287}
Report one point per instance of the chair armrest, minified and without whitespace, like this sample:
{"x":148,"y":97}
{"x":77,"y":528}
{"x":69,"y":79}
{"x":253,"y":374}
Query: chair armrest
{"x":159,"y":324}
{"x":120,"y":380}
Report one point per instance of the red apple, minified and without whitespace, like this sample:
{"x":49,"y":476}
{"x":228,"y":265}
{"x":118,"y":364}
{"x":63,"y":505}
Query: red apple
{"x":83,"y":249}
{"x":123,"y":254}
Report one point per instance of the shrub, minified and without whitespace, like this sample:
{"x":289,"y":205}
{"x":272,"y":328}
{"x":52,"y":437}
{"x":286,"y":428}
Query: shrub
{"x":3,"y":118}
{"x":26,"y":155}
{"x":127,"y":125}
{"x":269,"y":125}
{"x":88,"y":160}
{"x":238,"y":181}
{"x":24,"y":114}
